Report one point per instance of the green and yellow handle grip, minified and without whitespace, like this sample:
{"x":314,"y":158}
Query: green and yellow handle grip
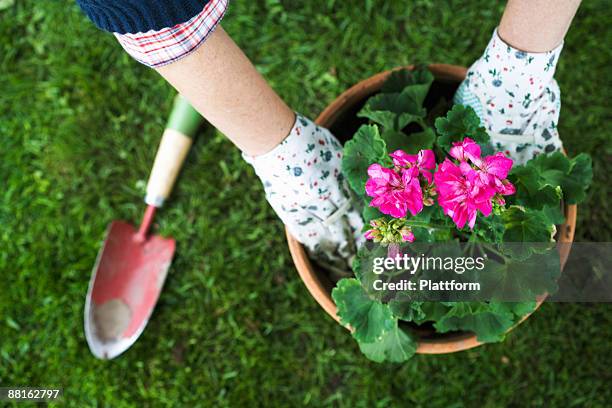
{"x":182,"y":125}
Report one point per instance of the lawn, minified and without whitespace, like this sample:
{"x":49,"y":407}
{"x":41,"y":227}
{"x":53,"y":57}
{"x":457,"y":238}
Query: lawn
{"x":235,"y":326}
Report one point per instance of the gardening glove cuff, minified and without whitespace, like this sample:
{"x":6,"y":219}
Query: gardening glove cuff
{"x":518,"y":101}
{"x":304,"y":185}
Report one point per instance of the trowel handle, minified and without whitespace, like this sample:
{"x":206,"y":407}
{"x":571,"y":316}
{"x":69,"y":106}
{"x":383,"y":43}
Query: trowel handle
{"x":175,"y":143}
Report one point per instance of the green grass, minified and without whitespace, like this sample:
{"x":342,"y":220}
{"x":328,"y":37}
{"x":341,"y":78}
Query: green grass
{"x":235,"y":326}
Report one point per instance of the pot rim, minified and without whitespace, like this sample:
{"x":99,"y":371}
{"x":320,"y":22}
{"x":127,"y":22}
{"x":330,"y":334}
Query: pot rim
{"x":320,"y":287}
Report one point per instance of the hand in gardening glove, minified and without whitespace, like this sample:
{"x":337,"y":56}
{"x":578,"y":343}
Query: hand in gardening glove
{"x":518,"y":101}
{"x":304,"y":185}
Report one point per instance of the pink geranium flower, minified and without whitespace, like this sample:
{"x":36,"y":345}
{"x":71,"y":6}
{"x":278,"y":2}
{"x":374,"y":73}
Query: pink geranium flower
{"x":492,"y":170}
{"x":461,"y":193}
{"x":394,"y":193}
{"x":370,"y":234}
{"x":407,"y":235}
{"x":381,"y":180}
{"x":466,"y":150}
{"x":497,"y":165}
{"x":421,"y":163}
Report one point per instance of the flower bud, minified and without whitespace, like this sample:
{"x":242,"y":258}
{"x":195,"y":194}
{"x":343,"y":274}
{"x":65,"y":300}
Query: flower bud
{"x":377,"y":223}
{"x":407,"y":235}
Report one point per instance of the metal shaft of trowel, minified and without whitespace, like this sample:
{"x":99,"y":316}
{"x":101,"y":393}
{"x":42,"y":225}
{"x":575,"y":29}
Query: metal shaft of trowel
{"x":145,"y":224}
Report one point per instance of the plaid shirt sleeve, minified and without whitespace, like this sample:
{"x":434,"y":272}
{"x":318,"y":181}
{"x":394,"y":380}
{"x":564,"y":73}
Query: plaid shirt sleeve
{"x":162,"y":47}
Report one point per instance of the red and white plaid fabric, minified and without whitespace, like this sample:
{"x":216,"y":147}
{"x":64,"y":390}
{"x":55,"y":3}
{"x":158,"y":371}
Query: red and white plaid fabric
{"x":157,"y":48}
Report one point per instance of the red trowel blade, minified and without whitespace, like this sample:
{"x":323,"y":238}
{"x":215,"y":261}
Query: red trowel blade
{"x":124,"y":288}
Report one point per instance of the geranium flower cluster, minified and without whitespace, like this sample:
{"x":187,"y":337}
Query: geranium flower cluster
{"x":400,"y":189}
{"x":472,"y":183}
{"x":406,"y":187}
{"x":464,"y":184}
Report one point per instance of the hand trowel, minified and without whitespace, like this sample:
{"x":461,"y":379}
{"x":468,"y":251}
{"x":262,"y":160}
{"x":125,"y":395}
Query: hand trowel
{"x":132,"y":264}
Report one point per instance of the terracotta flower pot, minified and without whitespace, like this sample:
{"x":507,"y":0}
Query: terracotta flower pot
{"x":340,"y":117}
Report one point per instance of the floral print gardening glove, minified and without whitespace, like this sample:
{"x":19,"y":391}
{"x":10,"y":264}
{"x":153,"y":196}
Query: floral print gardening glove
{"x":305,"y":187}
{"x":518,"y":101}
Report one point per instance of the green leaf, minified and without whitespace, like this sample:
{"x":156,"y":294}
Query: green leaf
{"x":521,"y":309}
{"x":489,"y":229}
{"x":400,"y":101}
{"x":425,"y":216}
{"x":394,"y":139}
{"x":419,"y":141}
{"x":395,"y":346}
{"x":365,"y":148}
{"x":370,"y":213}
{"x":434,"y":311}
{"x":404,"y":309}
{"x":553,"y":215}
{"x":370,"y":319}
{"x":364,"y":263}
{"x":401,"y":78}
{"x":580,"y":176}
{"x":522,"y":278}
{"x":525,"y":226}
{"x":526,"y":177}
{"x":573,"y":176}
{"x":460,"y":122}
{"x":393,"y":111}
{"x":552,"y":167}
{"x":489,"y":321}
{"x":532,"y":190}
{"x":384,"y":118}
{"x":414,"y":96}
{"x":411,"y":143}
